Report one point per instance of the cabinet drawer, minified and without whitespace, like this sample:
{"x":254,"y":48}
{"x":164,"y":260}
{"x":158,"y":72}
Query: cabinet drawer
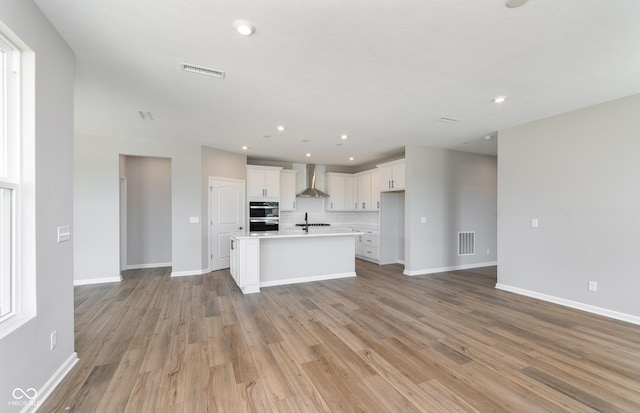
{"x":370,"y":240}
{"x":370,"y":252}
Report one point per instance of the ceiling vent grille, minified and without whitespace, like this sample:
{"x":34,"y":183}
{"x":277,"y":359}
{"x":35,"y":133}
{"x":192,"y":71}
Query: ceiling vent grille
{"x":203,"y":70}
{"x":449,"y":120}
{"x":466,"y":243}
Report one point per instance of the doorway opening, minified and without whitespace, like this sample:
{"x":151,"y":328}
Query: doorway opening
{"x":145,"y":212}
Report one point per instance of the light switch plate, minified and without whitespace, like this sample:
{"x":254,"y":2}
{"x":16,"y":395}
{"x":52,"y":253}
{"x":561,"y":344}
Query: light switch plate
{"x":64,"y":233}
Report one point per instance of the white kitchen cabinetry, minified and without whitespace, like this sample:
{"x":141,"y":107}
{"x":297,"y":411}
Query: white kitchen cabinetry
{"x":375,"y":190}
{"x":245,"y":263}
{"x":367,"y":244}
{"x":392,"y":176}
{"x":340,"y":190}
{"x":288,"y":190}
{"x":263,"y":182}
{"x":364,"y":191}
{"x":368,"y":192}
{"x":355,"y":193}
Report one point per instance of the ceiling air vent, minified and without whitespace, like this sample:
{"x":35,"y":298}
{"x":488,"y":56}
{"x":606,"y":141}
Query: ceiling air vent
{"x":449,"y":120}
{"x":203,"y":71}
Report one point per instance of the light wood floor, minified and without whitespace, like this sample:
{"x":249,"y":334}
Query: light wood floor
{"x":381,"y":342}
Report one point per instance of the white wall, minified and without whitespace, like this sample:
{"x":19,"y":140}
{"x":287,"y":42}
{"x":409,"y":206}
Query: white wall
{"x":96,"y":204}
{"x":148,"y":211}
{"x":454,"y":191}
{"x":25,"y":358}
{"x":577,"y":173}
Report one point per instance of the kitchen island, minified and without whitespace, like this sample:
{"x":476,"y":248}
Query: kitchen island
{"x":265,"y":259}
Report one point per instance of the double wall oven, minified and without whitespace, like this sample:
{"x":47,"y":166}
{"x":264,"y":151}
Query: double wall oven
{"x":264,"y":216}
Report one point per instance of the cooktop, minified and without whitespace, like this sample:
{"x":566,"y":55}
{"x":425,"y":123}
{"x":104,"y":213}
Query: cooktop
{"x":314,"y":225}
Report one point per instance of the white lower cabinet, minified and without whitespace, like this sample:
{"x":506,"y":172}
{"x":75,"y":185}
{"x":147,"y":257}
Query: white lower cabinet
{"x":245,"y":263}
{"x":367,"y":244}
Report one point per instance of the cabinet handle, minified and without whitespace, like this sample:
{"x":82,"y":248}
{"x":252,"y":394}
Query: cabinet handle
{"x":294,"y":204}
{"x":378,"y":204}
{"x":232,"y":244}
{"x":363,"y":206}
{"x":356,"y":206}
{"x":332,"y":205}
{"x":389,"y":185}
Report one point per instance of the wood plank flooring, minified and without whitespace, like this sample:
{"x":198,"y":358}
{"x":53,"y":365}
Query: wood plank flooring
{"x":381,"y":342}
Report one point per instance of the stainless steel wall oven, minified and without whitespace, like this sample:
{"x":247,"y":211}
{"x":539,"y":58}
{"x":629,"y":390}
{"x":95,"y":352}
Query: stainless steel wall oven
{"x":264,"y":216}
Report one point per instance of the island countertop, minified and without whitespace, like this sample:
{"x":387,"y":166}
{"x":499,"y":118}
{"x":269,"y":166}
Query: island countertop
{"x":297,"y":233}
{"x":290,"y":256}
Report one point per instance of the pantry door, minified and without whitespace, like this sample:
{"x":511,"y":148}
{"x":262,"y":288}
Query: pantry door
{"x":226,"y":215}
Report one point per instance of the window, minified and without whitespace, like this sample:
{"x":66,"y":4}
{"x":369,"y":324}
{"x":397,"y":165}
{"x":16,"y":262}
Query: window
{"x":9,"y":173}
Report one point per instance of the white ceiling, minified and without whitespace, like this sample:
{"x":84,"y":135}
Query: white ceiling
{"x":381,"y":71}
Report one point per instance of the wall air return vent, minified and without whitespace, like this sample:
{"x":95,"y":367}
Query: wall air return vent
{"x":466,"y":243}
{"x":203,"y":70}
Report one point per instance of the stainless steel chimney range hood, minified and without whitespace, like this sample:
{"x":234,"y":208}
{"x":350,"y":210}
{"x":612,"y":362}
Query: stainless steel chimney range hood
{"x":311,"y":191}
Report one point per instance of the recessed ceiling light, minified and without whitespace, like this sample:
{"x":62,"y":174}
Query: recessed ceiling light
{"x":244,"y":27}
{"x":304,"y":140}
{"x":266,"y":136}
{"x":308,"y":155}
{"x":280,"y":128}
{"x":499,"y":99}
{"x":351,"y":158}
{"x":343,"y":137}
{"x":338,"y":144}
{"x":245,"y":147}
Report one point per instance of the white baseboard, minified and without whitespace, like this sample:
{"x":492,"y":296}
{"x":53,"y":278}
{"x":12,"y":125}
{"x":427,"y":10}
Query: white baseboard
{"x":454,"y":268}
{"x":250,"y":289}
{"x":153,"y":265}
{"x":88,"y":281}
{"x":308,"y":279}
{"x":400,"y":262}
{"x":189,"y":273}
{"x":572,"y":304}
{"x":51,"y":384}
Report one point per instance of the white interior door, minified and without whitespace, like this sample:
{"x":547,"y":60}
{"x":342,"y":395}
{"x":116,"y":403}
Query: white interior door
{"x":226,"y":215}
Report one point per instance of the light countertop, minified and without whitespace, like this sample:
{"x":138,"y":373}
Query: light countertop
{"x":298,"y":233}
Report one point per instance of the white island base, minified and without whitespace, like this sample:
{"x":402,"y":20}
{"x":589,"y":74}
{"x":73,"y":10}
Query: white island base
{"x":291,"y":257}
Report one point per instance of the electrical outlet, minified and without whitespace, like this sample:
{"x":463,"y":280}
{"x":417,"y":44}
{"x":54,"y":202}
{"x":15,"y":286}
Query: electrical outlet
{"x":534,"y":223}
{"x":54,"y":340}
{"x":593,"y":286}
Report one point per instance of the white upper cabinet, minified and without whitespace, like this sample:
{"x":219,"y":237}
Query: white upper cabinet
{"x":364,"y":191}
{"x":375,"y":190}
{"x":263,"y":182}
{"x":288,"y":190}
{"x":340,"y":190}
{"x":357,"y":192}
{"x":392,"y":176}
